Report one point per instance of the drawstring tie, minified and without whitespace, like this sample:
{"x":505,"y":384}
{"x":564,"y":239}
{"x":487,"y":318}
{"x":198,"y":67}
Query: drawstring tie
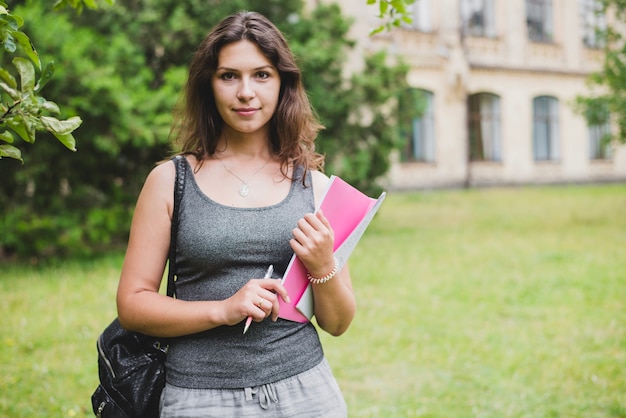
{"x":266,"y":394}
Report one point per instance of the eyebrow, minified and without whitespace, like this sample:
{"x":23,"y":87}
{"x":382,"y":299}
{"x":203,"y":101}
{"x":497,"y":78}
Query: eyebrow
{"x":263,"y":67}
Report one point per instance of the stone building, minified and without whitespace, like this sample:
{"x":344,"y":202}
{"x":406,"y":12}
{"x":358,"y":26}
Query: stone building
{"x":498,"y":78}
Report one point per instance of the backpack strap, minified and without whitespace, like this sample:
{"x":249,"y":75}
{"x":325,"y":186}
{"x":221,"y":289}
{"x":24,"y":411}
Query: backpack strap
{"x":181,"y":169}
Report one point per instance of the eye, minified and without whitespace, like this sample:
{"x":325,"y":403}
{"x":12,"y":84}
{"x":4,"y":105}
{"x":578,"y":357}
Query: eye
{"x":228,"y":76}
{"x":263,"y":75}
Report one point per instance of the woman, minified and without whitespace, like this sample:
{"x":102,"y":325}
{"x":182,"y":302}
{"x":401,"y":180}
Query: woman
{"x":247,"y":132}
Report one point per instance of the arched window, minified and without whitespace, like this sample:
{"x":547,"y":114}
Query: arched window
{"x":419,"y":130}
{"x":546,"y":128}
{"x":484,"y":127}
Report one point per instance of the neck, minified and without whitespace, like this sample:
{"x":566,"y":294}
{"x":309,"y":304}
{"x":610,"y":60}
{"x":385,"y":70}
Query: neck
{"x":250,"y":145}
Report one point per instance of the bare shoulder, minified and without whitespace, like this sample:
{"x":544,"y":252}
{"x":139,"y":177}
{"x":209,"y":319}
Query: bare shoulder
{"x":162,"y":176}
{"x":320,"y":182}
{"x":159,"y":185}
{"x":319,"y":178}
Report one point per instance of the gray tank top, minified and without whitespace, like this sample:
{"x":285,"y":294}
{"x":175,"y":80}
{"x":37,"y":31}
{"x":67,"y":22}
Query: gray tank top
{"x":219,"y":249}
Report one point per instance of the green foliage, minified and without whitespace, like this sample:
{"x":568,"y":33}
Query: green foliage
{"x":610,"y":80}
{"x":360,"y":115}
{"x":23,"y":111}
{"x":123,"y":68}
{"x":394,"y":13}
{"x":78,"y":5}
{"x":370,"y":134}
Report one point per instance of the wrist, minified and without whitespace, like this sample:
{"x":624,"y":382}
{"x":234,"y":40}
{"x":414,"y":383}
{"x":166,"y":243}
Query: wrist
{"x":323,"y":279}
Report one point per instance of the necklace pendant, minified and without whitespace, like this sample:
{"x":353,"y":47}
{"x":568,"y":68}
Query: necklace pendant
{"x":243,"y":190}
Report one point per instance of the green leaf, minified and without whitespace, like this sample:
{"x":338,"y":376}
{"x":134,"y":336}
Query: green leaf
{"x":399,"y":5}
{"x":14,"y":93}
{"x":8,"y":78}
{"x":369,"y":2}
{"x":377,"y":30}
{"x":18,"y":19}
{"x":51,"y":107}
{"x":28,"y":47}
{"x":9,"y":43}
{"x":6,"y":136}
{"x":91,"y":4}
{"x":27,"y":73}
{"x":61,"y":127}
{"x":11,"y":152}
{"x":21,"y":127}
{"x":9,"y":21}
{"x":46,"y":75}
{"x":67,"y":140}
{"x":383,"y":6}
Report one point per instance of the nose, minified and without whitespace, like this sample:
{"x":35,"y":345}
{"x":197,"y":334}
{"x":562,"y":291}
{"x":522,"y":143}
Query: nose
{"x":245,"y":91}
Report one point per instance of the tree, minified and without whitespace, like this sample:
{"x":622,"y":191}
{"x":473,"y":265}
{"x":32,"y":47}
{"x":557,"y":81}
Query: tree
{"x":360,"y":117}
{"x":608,"y":100}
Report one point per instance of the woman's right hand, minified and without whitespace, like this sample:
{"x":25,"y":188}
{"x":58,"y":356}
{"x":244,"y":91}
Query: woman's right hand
{"x":258,"y":298}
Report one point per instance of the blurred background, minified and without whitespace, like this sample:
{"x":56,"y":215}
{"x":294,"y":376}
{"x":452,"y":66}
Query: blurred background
{"x":490,"y":284}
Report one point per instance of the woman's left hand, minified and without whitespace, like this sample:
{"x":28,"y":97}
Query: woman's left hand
{"x":312,"y":242}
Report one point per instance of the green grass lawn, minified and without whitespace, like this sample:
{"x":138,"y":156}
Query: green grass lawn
{"x":479,"y":303}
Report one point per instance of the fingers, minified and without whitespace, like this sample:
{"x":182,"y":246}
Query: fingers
{"x":313,"y":236}
{"x":315,"y":223}
{"x":265,"y":306}
{"x":263,"y":298}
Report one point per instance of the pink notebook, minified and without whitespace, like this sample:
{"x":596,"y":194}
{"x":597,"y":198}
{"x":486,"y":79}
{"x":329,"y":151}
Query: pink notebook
{"x":349,"y":212}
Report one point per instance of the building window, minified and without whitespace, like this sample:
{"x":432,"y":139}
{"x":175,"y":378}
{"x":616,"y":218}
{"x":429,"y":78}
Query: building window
{"x":599,"y":128}
{"x":599,"y":141}
{"x":420,"y":11}
{"x":593,"y":21}
{"x":478,"y":17}
{"x":539,"y":20}
{"x":484,"y":127}
{"x":419,"y":131}
{"x":546,"y":128}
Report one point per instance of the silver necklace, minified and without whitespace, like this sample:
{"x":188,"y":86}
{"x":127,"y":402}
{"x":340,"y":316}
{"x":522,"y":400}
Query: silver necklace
{"x":244,"y":189}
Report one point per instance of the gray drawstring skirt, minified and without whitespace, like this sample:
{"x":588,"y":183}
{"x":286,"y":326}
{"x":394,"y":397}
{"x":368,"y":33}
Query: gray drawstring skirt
{"x":313,"y":393}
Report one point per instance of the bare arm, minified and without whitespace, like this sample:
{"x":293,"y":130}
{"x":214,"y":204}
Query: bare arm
{"x":335,"y":304}
{"x":140,"y":306}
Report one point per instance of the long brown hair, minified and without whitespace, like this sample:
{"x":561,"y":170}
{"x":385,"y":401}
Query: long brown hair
{"x":293,"y":127}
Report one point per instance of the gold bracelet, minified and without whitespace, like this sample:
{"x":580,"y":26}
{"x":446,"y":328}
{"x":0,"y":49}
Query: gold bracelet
{"x":326,"y":278}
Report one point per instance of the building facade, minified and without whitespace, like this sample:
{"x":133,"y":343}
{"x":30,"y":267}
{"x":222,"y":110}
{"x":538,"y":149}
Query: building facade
{"x":496,"y":81}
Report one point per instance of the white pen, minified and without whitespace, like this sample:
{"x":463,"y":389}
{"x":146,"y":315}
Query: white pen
{"x":268,"y":274}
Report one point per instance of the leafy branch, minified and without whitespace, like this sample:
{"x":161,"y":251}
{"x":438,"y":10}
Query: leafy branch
{"x":24,"y":111}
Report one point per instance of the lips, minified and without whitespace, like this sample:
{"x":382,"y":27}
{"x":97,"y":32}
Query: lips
{"x":246,"y":111}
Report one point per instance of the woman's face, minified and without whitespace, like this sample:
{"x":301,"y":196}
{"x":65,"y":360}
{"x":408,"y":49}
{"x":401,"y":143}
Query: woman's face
{"x":246,"y":87}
